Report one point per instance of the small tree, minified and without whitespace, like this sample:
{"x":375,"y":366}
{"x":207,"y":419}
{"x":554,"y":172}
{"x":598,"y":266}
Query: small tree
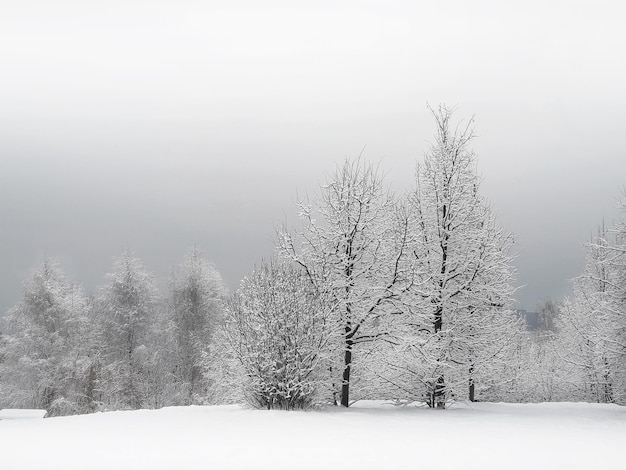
{"x":128,"y":310}
{"x":277,"y":327}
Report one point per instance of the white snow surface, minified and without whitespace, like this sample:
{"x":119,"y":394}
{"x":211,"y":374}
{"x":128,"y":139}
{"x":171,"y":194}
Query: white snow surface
{"x":13,"y":413}
{"x":370,"y":435}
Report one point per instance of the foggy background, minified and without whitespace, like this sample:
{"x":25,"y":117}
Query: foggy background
{"x":164,"y":124}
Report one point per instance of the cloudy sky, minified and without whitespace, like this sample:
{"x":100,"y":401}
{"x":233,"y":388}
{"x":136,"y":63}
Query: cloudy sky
{"x":161,"y":124}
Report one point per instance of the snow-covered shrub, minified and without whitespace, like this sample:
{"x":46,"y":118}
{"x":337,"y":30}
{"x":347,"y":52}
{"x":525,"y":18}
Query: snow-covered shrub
{"x":277,"y":329}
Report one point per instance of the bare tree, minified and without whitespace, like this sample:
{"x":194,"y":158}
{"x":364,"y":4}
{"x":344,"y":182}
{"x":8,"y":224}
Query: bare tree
{"x":459,"y":322}
{"x":353,"y":249}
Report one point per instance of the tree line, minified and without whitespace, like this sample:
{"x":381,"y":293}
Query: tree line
{"x":125,"y":347}
{"x":375,"y":296}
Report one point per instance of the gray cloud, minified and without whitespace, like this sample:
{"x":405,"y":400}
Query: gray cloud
{"x":164,"y":124}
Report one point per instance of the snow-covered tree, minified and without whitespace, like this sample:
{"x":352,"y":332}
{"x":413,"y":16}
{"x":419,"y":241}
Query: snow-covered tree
{"x":48,"y":346}
{"x":277,"y":327}
{"x":537,"y":370}
{"x":128,"y":309}
{"x":196,"y":311}
{"x":458,"y":325}
{"x":592,"y":330}
{"x":616,"y":342}
{"x":223,"y":369}
{"x":353,"y":249}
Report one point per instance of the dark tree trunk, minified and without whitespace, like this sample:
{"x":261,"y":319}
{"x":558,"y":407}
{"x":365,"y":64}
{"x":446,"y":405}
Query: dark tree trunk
{"x":471,"y":384}
{"x":438,"y":324}
{"x":333,"y":385}
{"x":608,"y":389}
{"x":345,"y":384}
{"x":439,"y":398}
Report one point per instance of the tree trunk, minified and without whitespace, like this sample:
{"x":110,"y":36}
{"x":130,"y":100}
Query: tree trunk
{"x":345,"y":384}
{"x":471,"y":384}
{"x":439,"y":393}
{"x":608,"y":389}
{"x":439,"y":398}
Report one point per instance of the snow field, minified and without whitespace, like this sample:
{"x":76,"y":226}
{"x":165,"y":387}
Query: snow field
{"x":371,"y":435}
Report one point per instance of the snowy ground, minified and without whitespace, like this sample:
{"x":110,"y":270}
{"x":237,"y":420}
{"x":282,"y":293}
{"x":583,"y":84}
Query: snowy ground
{"x":368,"y":436}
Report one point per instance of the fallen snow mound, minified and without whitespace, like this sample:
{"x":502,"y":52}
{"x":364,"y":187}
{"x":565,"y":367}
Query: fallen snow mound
{"x":370,"y":435}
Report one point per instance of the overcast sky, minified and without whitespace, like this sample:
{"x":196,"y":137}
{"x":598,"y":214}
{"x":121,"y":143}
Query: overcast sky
{"x":161,"y":124}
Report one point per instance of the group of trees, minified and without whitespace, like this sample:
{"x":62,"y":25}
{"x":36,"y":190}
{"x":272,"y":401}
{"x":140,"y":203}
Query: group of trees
{"x":376,"y":295}
{"x":578,"y":353}
{"x":405,"y":297}
{"x":409,"y":298}
{"x":591,"y":326}
{"x":125,"y":347}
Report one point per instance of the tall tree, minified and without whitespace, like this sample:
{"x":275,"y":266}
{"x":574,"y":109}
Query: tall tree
{"x":128,"y":308}
{"x":352,"y":248}
{"x":460,"y":322}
